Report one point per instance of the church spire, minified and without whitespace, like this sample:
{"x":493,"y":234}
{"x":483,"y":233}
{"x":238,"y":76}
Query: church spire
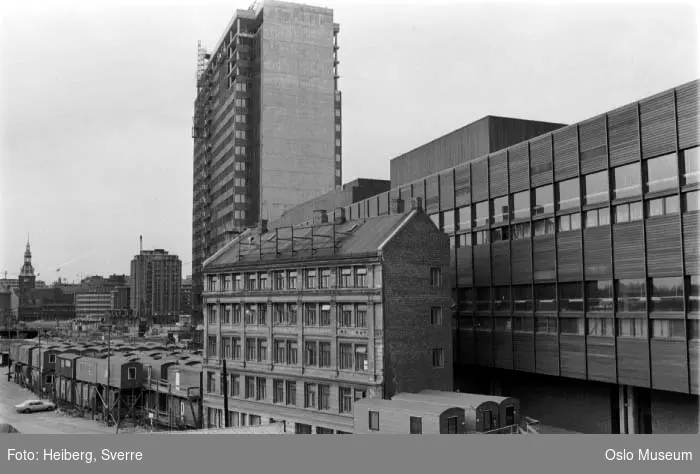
{"x":27,"y":268}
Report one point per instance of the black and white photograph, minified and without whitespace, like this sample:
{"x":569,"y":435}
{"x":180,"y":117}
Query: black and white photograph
{"x":348,"y":217}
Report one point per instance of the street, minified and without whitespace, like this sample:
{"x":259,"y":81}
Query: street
{"x":39,"y":423}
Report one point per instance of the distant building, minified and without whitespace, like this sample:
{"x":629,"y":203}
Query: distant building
{"x":27,"y":279}
{"x":156,"y":277}
{"x":186,"y":295}
{"x":92,"y":304}
{"x":121,"y":299}
{"x":9,"y":304}
{"x":12,"y":283}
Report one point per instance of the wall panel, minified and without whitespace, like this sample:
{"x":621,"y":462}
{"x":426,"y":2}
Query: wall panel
{"x":524,"y":351}
{"x":601,"y":359}
{"x":544,"y":258}
{"x":565,"y":152}
{"x":569,"y":251}
{"x":573,"y":356}
{"x":593,"y":143}
{"x":658,"y":118}
{"x":691,"y":248}
{"x":462,"y":185}
{"x":447,"y":191}
{"x":484,"y":349}
{"x":519,"y":164}
{"x":628,"y":249}
{"x":688,"y":124}
{"x":464,"y":266}
{"x":664,"y":255}
{"x":546,"y":354}
{"x":498,"y":174}
{"x":521,"y":261}
{"x":633,"y":362}
{"x":482,"y":265}
{"x":503,"y":350}
{"x":541,"y":167}
{"x":669,"y":365}
{"x":500,"y":263}
{"x":597,"y":253}
{"x":480,"y":180}
{"x":623,"y":135}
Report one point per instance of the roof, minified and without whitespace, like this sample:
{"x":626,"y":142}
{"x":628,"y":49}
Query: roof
{"x":273,"y":428}
{"x":352,"y":238}
{"x":472,"y":397}
{"x":413,"y":407}
{"x":447,"y":399}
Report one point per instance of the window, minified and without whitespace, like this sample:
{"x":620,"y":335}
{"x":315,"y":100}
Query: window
{"x":543,"y":227}
{"x":601,"y":327}
{"x":236,"y":348}
{"x":546,"y":325}
{"x":279,"y":351}
{"x":465,"y":298}
{"x":691,"y":166}
{"x":361,"y":362}
{"x":482,"y":214}
{"x":448,"y":221}
{"x":571,"y":297}
{"x":483,"y":323}
{"x":464,"y":218}
{"x":131,"y":373}
{"x":627,"y":181}
{"x":500,"y":234}
{"x":212,"y":347}
{"x":452,"y":423}
{"x":292,"y":314}
{"x":325,"y":319}
{"x":499,"y":210}
{"x":324,"y":397}
{"x":361,"y":316}
{"x":310,"y":353}
{"x":691,"y":201}
{"x":668,"y":329}
{"x":693,"y":326}
{"x":374,"y":420}
{"x":346,"y":360}
{"x":345,"y":400}
{"x":345,"y":278}
{"x":260,"y":383}
{"x":501,"y":298}
{"x":416,"y":425}
{"x":292,"y":280}
{"x":325,"y":278}
{"x":544,"y":200}
{"x":302,"y":428}
{"x":662,"y":206}
{"x":693,"y":294}
{"x":291,"y":395}
{"x":309,"y":395}
{"x":572,"y":326}
{"x":520,"y":231}
{"x":262,"y":350}
{"x":598,"y":217}
{"x":521,"y":205}
{"x":481,"y":237}
{"x":436,"y":277}
{"x":52,"y":358}
{"x":569,"y":222}
{"x":545,"y":297}
{"x":464,"y":240}
{"x":523,"y":324}
{"x":250,"y":317}
{"x":262,"y":281}
{"x":596,"y":188}
{"x":235,"y":389}
{"x":662,"y":173}
{"x":632,"y":327}
{"x":569,"y":194}
{"x":631,"y":295}
{"x":250,"y":348}
{"x":360,"y":278}
{"x":522,"y":298}
{"x":310,"y":279}
{"x":666,"y":294}
{"x":345,"y":319}
{"x":438,"y":358}
{"x":628,"y":212}
{"x":226,"y":349}
{"x":250,"y":387}
{"x":502,"y":324}
{"x":251,"y":282}
{"x":324,"y":353}
{"x":310,"y":315}
{"x":599,"y":297}
{"x":279,"y":280}
{"x":483,"y":299}
{"x":292,"y":352}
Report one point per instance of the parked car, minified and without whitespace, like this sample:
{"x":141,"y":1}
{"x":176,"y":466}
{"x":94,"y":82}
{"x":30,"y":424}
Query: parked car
{"x":35,"y":405}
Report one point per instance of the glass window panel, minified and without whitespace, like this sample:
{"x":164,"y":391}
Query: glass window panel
{"x":521,"y":205}
{"x":691,"y":201}
{"x":569,"y":194}
{"x":464,"y":240}
{"x":501,"y":298}
{"x":636,"y":328}
{"x":502,"y":324}
{"x":631,"y":295}
{"x":448,"y":221}
{"x":545,"y":298}
{"x":564,"y":223}
{"x":628,"y":181}
{"x":636,"y":211}
{"x":466,"y":299}
{"x":655,"y":207}
{"x":575,"y":221}
{"x":499,"y":234}
{"x":522,"y":298}
{"x":544,"y":200}
{"x":483,"y":299}
{"x":601,"y":327}
{"x":500,"y":210}
{"x":693,"y":300}
{"x":604,"y":216}
{"x":662,"y":173}
{"x":520,"y":231}
{"x":571,"y":297}
{"x":666,"y":294}
{"x":481,"y":237}
{"x":546,"y":325}
{"x":591,"y":219}
{"x":622,"y":213}
{"x":572,"y":326}
{"x":482,"y":214}
{"x":596,"y":188}
{"x":668,"y":328}
{"x":671,"y":205}
{"x":464,"y":217}
{"x":691,"y":165}
{"x":543,"y":227}
{"x":599,"y":296}
{"x":523,"y":324}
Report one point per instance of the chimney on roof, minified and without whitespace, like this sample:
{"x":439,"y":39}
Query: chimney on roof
{"x":263,"y":226}
{"x":396,"y":206}
{"x":320,"y":216}
{"x":417,"y":203}
{"x":339,"y":215}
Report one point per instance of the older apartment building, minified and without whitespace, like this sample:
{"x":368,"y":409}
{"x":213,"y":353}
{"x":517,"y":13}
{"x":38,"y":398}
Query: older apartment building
{"x":310,"y":319}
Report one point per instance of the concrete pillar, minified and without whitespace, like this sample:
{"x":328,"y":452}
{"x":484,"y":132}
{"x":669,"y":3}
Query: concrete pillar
{"x":623,"y":408}
{"x":631,"y":410}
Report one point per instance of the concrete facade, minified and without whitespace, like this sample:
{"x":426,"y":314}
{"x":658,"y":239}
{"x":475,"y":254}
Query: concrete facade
{"x":92,"y":304}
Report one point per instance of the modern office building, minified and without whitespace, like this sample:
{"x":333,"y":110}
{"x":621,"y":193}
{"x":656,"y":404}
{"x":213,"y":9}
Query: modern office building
{"x":310,"y":319}
{"x":575,"y":258}
{"x":155,"y":285}
{"x":267,"y":121}
{"x":89,"y":305}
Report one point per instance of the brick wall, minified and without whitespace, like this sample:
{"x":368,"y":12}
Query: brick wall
{"x":408,"y":334}
{"x":674,"y":413}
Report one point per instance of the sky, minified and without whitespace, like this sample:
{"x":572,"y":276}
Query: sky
{"x":96,"y":101}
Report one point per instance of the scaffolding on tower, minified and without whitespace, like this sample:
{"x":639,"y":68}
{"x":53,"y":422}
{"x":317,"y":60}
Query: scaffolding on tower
{"x":202,"y":60}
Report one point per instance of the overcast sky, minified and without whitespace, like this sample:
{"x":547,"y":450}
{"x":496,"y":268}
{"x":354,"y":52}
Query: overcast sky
{"x":96,"y":101}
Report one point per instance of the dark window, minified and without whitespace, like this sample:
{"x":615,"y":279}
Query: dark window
{"x":452,"y":424}
{"x":691,"y":166}
{"x":501,"y":298}
{"x":546,"y":325}
{"x":482,"y":214}
{"x":345,"y":400}
{"x":545,"y":297}
{"x":522,"y":298}
{"x":499,"y":234}
{"x":544,"y":200}
{"x":436,"y":316}
{"x":521,"y":205}
{"x":502,"y":324}
{"x":544,"y":227}
{"x":596,"y":188}
{"x":448,"y":221}
{"x":523,"y":324}
{"x":628,"y":212}
{"x":324,"y":354}
{"x":302,"y":428}
{"x":520,"y":231}
{"x":599,"y":297}
{"x":483,"y":299}
{"x":481,"y":237}
{"x":602,"y":327}
{"x":464,"y":218}
{"x":374,"y":420}
{"x":631,"y":295}
{"x":571,"y":297}
{"x":627,"y":181}
{"x":483,"y":323}
{"x":569,"y":194}
{"x":499,"y":210}
{"x":632,"y":327}
{"x":663,"y":206}
{"x":572,"y":326}
{"x":693,"y":326}
{"x":324,"y":397}
{"x":466,"y":299}
{"x":668,"y":328}
{"x":436,"y":277}
{"x":464,"y":240}
{"x":569,"y":222}
{"x":438,"y":358}
{"x":691,"y":201}
{"x":666,"y":294}
{"x":693,"y":292}
{"x":278,"y":391}
{"x":416,"y":425}
{"x":598,"y":217}
{"x":662,"y":173}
